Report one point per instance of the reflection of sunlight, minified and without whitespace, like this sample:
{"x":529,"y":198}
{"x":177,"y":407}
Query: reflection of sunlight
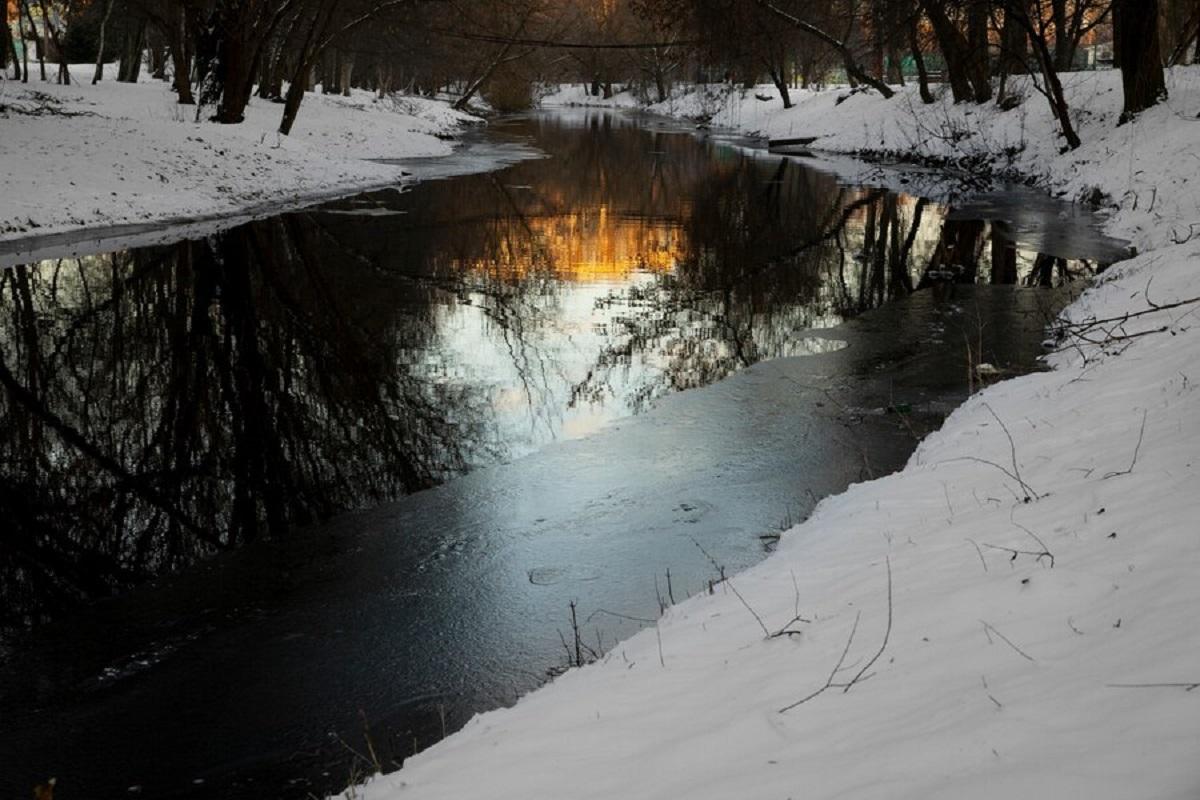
{"x":591,"y":245}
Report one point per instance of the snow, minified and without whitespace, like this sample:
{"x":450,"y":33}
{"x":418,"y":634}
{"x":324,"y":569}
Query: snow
{"x":569,"y":95}
{"x":128,"y":154}
{"x":1058,"y":667}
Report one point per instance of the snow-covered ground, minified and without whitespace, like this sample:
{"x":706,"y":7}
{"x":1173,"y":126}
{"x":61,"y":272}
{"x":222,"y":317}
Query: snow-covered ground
{"x":1012,"y":615}
{"x":89,"y":157}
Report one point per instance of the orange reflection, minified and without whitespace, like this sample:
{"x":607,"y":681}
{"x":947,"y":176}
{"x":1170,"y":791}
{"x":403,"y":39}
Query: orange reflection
{"x":591,"y":245}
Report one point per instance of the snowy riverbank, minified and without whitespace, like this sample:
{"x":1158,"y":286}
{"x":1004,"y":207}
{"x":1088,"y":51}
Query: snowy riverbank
{"x":88,"y":157}
{"x":1009,"y":616}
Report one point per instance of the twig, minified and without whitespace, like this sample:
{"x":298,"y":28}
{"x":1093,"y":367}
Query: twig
{"x":658,"y":634}
{"x":997,"y":466}
{"x":861,"y":675}
{"x":718,"y":567}
{"x":886,"y":634}
{"x":982,"y":560}
{"x":1137,"y":447}
{"x":1088,"y":324}
{"x":620,"y":616}
{"x":766,"y":631}
{"x":787,"y":630}
{"x":833,"y":673}
{"x":1045,"y":550}
{"x":1187,"y":687}
{"x":1036,"y":554}
{"x":988,"y":691}
{"x":989,"y":629}
{"x":1012,"y":447}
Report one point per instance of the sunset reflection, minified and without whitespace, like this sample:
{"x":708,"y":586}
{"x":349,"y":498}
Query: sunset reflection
{"x":589,"y":245}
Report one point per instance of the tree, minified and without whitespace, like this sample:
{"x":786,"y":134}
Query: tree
{"x":64,"y":74}
{"x":853,"y":70}
{"x":1074,"y":19}
{"x":1136,"y":49}
{"x":99,"y":74}
{"x":966,"y":54}
{"x":238,"y":33}
{"x":1053,"y":90}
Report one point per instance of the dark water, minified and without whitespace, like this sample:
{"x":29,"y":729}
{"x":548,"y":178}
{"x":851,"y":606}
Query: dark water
{"x":490,"y":368}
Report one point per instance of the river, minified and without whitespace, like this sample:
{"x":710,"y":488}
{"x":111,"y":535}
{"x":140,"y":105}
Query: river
{"x":291,"y":498}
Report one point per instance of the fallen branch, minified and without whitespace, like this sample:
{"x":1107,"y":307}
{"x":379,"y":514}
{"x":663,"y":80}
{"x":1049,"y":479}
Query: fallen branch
{"x":1092,"y":323}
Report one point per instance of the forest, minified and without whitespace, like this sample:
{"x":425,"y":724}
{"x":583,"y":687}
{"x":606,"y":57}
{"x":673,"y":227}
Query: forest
{"x":218,"y":54}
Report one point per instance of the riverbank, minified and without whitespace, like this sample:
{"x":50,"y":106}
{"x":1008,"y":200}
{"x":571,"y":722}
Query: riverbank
{"x":1007,"y":616}
{"x":84,"y":158}
{"x":1142,"y":171}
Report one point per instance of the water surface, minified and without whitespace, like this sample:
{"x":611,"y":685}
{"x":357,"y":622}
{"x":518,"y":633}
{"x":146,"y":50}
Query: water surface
{"x":368,"y":453}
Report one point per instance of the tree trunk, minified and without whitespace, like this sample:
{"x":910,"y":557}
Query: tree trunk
{"x":980,"y":73}
{"x":914,"y":42}
{"x":1063,"y":52}
{"x":131,"y":55}
{"x":24,"y":50}
{"x":1054,"y":90}
{"x":181,"y":64}
{"x":237,"y":60}
{"x":1014,"y":50}
{"x":310,"y":53}
{"x":330,"y":69}
{"x":10,"y":48}
{"x":266,"y":74}
{"x":347,"y":74}
{"x":41,"y":48}
{"x":951,"y":43}
{"x":1196,"y":52}
{"x":99,"y":74}
{"x":158,"y":56}
{"x":777,"y":78}
{"x":966,"y":58}
{"x":1136,"y":45}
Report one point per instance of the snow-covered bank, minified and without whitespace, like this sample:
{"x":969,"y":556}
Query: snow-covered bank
{"x":89,"y":157}
{"x":1014,"y":610}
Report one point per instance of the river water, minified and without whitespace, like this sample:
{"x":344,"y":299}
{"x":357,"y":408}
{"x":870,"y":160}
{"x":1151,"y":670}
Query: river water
{"x":326,"y":484}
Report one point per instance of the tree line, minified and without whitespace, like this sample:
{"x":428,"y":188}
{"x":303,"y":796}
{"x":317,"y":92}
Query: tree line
{"x":973,"y":46}
{"x":218,"y":54}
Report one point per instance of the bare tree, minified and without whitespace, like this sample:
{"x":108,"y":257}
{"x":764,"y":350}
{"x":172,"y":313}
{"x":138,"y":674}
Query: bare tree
{"x":99,"y":74}
{"x":1136,"y":50}
{"x":853,"y":70}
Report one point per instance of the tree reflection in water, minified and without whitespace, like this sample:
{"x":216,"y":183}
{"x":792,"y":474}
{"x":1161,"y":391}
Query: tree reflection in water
{"x":166,"y":403}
